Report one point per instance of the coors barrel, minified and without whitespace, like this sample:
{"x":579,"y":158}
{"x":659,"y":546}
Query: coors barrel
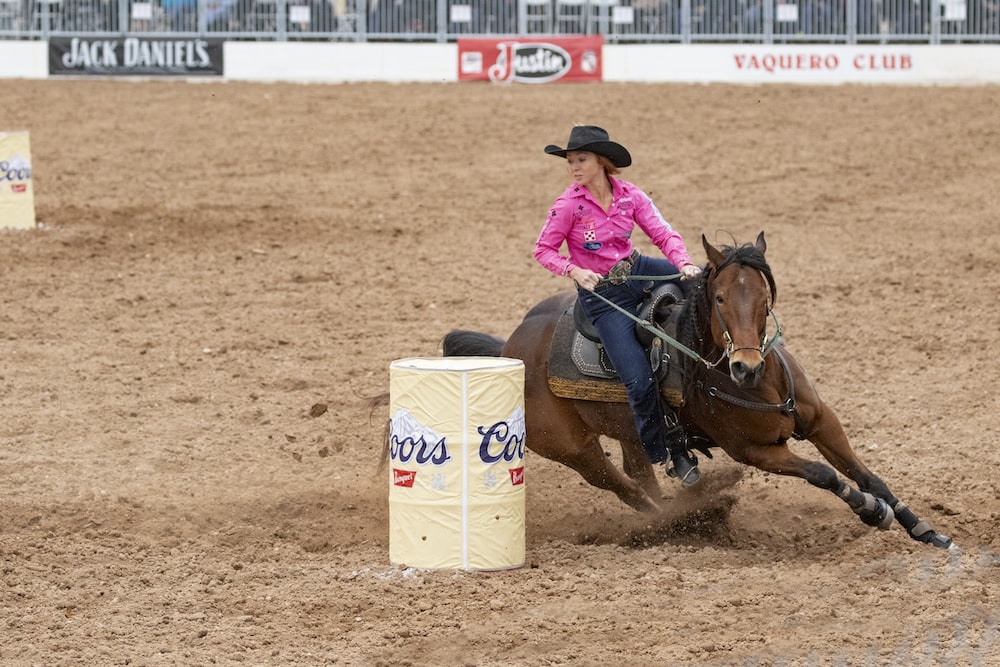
{"x":456,"y":473}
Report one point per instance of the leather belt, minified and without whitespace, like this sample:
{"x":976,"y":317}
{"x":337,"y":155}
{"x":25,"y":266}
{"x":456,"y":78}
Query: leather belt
{"x":620,"y":272}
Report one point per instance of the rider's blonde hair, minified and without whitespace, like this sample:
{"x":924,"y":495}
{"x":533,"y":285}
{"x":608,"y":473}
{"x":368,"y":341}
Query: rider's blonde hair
{"x":609,"y":167}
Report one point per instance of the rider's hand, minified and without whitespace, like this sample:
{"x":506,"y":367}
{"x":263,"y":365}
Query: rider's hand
{"x":690,"y":271}
{"x":585,"y":278}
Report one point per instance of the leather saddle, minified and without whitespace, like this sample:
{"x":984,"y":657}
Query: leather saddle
{"x":579,"y":366}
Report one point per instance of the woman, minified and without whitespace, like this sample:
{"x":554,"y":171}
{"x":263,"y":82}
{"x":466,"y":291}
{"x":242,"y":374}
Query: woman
{"x":595,"y":218}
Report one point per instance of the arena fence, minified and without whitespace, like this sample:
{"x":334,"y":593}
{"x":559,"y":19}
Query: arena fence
{"x":620,"y":21}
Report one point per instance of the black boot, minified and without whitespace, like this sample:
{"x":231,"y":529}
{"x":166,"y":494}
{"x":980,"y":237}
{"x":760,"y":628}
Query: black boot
{"x":685,"y":468}
{"x":684,"y":464}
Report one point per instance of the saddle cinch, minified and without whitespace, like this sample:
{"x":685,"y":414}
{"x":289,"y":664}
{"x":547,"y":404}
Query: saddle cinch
{"x":579,"y":366}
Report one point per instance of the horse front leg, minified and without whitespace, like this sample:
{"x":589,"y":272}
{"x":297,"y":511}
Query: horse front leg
{"x":829,"y":438}
{"x":777,"y":458}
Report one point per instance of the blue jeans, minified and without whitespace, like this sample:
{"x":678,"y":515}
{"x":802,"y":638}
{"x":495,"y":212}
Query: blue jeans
{"x":626,"y":354}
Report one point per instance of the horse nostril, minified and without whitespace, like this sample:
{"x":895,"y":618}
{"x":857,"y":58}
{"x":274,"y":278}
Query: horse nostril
{"x":745,"y":374}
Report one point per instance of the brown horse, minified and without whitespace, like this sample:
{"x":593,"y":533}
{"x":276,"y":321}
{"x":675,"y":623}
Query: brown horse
{"x":750,"y":410}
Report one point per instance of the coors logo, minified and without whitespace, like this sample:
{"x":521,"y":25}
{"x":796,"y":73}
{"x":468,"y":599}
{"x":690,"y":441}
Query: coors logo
{"x":17,"y":168}
{"x":414,"y":444}
{"x":409,"y":440}
{"x":537,"y":62}
{"x":504,"y":440}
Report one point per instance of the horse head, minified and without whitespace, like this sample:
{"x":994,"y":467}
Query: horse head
{"x":740,"y":291}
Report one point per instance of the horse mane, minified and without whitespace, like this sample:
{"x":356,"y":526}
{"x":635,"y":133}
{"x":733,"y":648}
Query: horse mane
{"x":747,"y":255}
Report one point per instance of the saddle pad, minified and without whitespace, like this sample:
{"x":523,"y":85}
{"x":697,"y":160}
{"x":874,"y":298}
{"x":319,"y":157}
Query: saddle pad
{"x":579,"y":368}
{"x":566,"y":380}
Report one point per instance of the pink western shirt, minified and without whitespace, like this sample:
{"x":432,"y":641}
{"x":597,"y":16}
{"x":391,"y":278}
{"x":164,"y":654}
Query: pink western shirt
{"x":597,"y":240}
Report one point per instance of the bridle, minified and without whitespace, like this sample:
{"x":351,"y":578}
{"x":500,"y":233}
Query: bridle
{"x":766,"y":344}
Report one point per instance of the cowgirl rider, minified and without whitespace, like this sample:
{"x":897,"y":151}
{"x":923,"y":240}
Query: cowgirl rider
{"x":595,"y":217}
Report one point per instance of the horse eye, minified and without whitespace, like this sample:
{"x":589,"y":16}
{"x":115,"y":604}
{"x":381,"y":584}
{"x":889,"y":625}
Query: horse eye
{"x":719,"y":300}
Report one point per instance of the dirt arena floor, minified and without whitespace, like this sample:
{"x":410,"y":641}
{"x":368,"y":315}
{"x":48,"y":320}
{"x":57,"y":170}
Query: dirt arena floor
{"x":214,"y":260}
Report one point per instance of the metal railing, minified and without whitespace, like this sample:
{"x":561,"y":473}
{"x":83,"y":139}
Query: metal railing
{"x":620,"y":21}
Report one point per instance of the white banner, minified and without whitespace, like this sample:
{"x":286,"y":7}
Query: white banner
{"x":809,"y":64}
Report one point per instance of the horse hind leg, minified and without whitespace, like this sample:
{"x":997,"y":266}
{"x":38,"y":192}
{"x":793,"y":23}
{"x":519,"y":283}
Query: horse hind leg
{"x":636,"y":466}
{"x":556,"y":431}
{"x":591,"y":462}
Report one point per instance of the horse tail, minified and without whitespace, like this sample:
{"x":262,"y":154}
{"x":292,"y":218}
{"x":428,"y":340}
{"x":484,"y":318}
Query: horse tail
{"x":374,"y":403}
{"x":462,"y":343}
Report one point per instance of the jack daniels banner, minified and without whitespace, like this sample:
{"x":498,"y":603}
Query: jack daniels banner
{"x":135,"y":56}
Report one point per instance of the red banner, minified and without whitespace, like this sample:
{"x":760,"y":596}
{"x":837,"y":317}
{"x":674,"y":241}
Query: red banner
{"x":530,"y":60}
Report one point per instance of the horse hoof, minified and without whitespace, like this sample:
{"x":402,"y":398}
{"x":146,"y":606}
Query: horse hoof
{"x":940,"y":541}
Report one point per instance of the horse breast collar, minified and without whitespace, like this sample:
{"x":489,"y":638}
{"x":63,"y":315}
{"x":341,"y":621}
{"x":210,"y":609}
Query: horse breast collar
{"x":787,"y":407}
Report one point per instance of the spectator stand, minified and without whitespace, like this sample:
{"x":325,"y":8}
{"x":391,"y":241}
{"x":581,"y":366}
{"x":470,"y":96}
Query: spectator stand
{"x":620,"y":21}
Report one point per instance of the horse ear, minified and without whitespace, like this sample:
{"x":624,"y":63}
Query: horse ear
{"x":761,"y":245}
{"x":715,"y":258}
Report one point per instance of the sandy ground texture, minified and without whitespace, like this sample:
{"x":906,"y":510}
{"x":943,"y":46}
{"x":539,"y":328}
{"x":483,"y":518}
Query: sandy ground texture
{"x":214,"y":260}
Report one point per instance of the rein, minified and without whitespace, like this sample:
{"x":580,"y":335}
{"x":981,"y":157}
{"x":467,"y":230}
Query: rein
{"x":655,"y":330}
{"x":787,"y":407}
{"x":767,"y":344}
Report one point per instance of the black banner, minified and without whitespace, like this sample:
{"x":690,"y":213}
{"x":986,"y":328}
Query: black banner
{"x":132,"y":56}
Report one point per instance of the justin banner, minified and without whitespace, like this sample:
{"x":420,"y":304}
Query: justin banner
{"x":17,"y":197}
{"x":534,"y":60}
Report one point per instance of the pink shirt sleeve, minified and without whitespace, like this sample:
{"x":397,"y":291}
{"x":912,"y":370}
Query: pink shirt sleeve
{"x":551,"y":238}
{"x":659,"y":231}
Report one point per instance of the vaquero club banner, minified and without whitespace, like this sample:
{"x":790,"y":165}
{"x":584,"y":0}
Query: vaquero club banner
{"x":136,"y":56}
{"x":532,"y":60}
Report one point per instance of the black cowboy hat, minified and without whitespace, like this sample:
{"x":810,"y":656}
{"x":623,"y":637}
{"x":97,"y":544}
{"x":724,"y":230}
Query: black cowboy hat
{"x":594,"y":140}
